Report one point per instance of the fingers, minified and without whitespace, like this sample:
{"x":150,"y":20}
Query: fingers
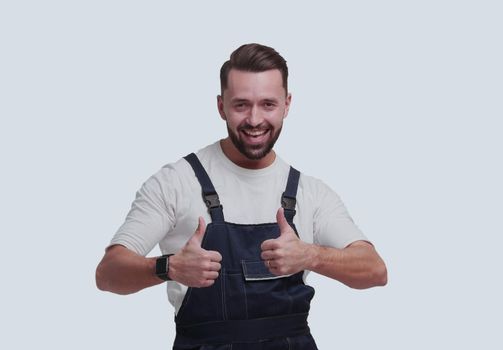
{"x":206,"y":283}
{"x":206,"y":265}
{"x":195,"y":266}
{"x":214,"y":255}
{"x":274,"y":266}
{"x":200,"y":230}
{"x":209,"y":272}
{"x":281,"y":220}
{"x":210,"y":275}
{"x":270,"y":255}
{"x":214,"y":266}
{"x":270,"y":244}
{"x":269,"y":263}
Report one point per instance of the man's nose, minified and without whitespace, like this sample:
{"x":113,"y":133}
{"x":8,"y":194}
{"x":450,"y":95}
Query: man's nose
{"x":255,"y":116}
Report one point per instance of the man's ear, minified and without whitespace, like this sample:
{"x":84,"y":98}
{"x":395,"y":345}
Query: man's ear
{"x":220,"y":106}
{"x":288,"y":100}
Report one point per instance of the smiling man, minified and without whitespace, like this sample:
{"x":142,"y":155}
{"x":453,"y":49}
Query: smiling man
{"x":239,"y":282}
{"x":254,"y":105}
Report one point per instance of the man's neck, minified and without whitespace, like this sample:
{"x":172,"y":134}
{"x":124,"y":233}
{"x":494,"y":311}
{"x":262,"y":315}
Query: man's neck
{"x":239,"y":159}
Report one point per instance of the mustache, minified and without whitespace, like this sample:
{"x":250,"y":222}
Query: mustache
{"x":259,"y":127}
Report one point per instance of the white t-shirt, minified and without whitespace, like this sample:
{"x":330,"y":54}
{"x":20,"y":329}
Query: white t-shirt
{"x":168,"y":204}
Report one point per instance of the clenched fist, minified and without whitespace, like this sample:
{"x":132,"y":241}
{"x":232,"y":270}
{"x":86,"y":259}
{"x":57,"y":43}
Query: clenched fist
{"x":194,"y":266}
{"x":286,"y":254}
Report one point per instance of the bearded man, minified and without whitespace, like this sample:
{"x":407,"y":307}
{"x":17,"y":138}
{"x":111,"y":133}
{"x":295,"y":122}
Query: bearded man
{"x":239,"y":282}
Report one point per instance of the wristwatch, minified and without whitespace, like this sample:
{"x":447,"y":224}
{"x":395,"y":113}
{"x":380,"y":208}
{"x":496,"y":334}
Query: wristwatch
{"x":162,"y":267}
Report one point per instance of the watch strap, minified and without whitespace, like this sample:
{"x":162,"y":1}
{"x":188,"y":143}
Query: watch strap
{"x":162,"y":267}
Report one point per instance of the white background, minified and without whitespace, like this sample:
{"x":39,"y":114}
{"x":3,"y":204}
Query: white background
{"x":396,"y":104}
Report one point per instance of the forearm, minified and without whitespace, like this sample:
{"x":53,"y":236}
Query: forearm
{"x":122,"y":271}
{"x":358,"y":265}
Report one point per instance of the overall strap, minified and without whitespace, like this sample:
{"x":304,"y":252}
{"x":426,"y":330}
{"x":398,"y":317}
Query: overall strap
{"x":210,"y":196}
{"x":288,"y":199}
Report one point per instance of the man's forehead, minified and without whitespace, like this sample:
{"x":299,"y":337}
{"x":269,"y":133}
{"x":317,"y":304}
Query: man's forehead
{"x":244,"y":84}
{"x":271,"y":75}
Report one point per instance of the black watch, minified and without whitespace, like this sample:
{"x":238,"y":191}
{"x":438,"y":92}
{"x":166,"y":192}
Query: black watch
{"x":162,"y":267}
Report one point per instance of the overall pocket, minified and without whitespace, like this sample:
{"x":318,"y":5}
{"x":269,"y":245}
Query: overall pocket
{"x":266,"y":294}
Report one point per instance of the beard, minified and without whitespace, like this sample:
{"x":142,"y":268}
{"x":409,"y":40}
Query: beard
{"x":256,"y":151}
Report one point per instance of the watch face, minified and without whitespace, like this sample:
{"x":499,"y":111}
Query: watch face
{"x":161,"y":267}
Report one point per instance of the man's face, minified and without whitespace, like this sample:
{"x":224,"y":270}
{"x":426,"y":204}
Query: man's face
{"x":254,"y":106}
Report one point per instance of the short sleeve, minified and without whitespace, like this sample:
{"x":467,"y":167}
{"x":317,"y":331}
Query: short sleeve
{"x":152,"y":214}
{"x":333,"y":226}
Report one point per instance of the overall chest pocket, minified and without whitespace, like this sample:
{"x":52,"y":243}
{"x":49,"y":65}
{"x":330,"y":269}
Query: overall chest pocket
{"x":255,"y":292}
{"x":258,"y":271}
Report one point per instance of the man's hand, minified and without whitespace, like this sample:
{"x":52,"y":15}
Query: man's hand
{"x":358,"y":265}
{"x":194,"y":266}
{"x":286,"y":254}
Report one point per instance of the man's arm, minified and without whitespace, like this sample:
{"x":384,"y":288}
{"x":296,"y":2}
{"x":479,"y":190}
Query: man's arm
{"x":358,"y":265}
{"x":122,"y":271}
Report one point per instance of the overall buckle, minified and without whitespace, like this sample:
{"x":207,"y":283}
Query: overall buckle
{"x":211,"y":200}
{"x":288,"y":202}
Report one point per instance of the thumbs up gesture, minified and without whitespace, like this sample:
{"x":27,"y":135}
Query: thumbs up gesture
{"x":194,"y":266}
{"x":286,"y":254}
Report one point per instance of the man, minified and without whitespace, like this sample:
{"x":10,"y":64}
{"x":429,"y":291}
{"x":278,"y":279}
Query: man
{"x":239,"y":282}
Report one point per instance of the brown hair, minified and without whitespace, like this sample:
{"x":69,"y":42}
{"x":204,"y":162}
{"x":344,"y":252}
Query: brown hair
{"x":254,"y":58}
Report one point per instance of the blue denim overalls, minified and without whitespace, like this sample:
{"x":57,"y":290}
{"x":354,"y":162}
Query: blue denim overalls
{"x":247,"y":307}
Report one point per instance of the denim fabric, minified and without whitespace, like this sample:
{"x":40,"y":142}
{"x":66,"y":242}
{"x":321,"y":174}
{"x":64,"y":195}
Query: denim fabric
{"x":232,"y":296}
{"x":302,"y":342}
{"x":247,"y":307}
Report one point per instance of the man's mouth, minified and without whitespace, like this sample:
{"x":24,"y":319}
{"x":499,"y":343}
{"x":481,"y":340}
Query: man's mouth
{"x":255,"y":136}
{"x":255,"y":133}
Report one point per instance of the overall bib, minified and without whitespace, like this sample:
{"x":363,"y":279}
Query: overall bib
{"x":247,"y":307}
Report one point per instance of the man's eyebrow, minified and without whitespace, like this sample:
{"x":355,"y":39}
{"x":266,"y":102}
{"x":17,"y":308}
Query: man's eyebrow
{"x":238,"y":99}
{"x":267,"y":100}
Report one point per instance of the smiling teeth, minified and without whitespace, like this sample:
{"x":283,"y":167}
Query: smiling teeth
{"x":254,"y":133}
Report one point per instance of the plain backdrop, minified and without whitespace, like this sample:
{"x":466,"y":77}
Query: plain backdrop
{"x":397,"y":105}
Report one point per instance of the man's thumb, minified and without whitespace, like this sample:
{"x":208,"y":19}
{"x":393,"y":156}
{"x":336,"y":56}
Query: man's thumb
{"x":200,"y":230}
{"x":281,"y":220}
